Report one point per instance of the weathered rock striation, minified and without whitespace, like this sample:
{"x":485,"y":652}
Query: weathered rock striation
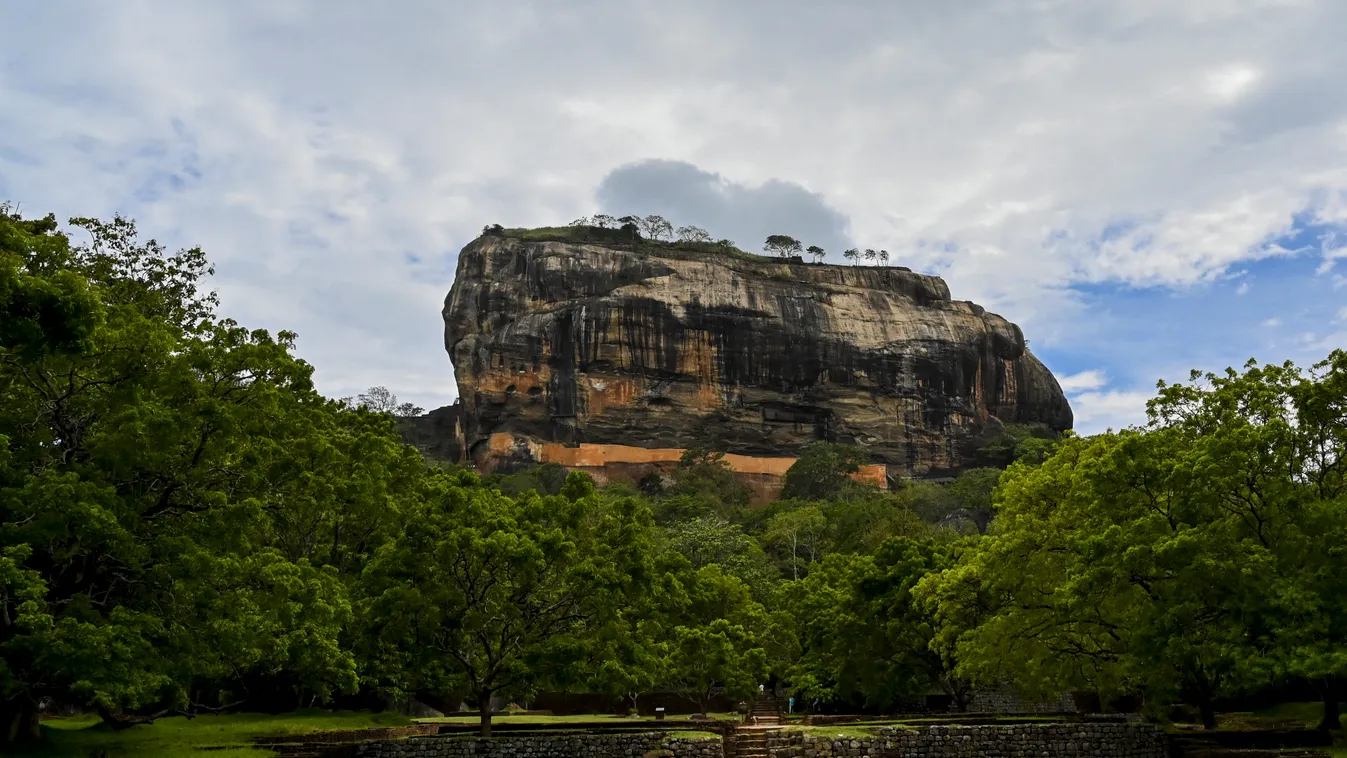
{"x":655,"y":346}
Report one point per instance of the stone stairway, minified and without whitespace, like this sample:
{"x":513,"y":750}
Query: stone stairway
{"x":765,"y":711}
{"x":750,"y":739}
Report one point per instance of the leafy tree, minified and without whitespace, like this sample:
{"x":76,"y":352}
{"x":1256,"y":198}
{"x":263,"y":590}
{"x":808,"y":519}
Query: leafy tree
{"x":1187,"y":558}
{"x":816,"y":252}
{"x":719,"y":656}
{"x":703,"y":484}
{"x":656,"y":228}
{"x":144,"y":444}
{"x":852,"y":254}
{"x":884,"y":257}
{"x":494,"y":595}
{"x":545,"y":479}
{"x":713,"y":540}
{"x":782,"y":246}
{"x":631,"y":225}
{"x":802,"y":531}
{"x":823,"y":471}
{"x":717,"y":642}
{"x":604,"y":221}
{"x":864,"y":636}
{"x":1017,"y":442}
{"x":870,"y":254}
{"x":866,"y":518}
{"x":693,"y":234}
{"x":381,"y":400}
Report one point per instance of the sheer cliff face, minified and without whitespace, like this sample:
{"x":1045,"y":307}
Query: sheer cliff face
{"x":573,"y":343}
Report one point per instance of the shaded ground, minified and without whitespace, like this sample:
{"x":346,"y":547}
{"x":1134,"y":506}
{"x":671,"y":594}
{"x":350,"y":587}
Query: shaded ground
{"x":227,"y":736}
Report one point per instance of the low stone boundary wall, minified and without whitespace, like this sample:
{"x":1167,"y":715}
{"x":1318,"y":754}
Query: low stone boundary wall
{"x":1079,"y":740}
{"x":641,"y":745}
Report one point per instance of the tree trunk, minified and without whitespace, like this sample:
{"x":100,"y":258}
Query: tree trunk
{"x":484,"y":710}
{"x":1208,"y":711}
{"x":1332,"y":708}
{"x":19,"y":723}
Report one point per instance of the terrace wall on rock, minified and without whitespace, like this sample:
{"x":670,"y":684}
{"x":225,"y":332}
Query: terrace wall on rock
{"x":765,"y":476}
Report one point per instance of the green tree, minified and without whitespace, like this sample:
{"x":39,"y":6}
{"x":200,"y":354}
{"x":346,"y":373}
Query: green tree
{"x":1186,"y":558}
{"x":490,"y":595}
{"x":656,"y":228}
{"x":816,"y":252}
{"x":781,"y":245}
{"x":801,"y":531}
{"x":693,"y":234}
{"x":382,"y":400}
{"x":704,"y":485}
{"x":718,"y":637}
{"x":851,"y":254}
{"x":143,"y":443}
{"x":716,"y":657}
{"x":863,"y":635}
{"x":713,"y":540}
{"x":823,"y":471}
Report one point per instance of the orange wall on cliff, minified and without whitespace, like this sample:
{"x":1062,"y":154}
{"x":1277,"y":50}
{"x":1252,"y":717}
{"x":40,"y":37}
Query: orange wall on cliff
{"x":765,"y":476}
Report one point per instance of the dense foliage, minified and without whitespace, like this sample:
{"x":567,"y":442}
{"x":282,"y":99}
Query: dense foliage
{"x":186,"y":526}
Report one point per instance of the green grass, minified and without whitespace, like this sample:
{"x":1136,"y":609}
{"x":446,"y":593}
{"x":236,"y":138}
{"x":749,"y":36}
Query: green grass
{"x":835,"y":730}
{"x":694,"y":735}
{"x":178,"y":737}
{"x":573,"y":719}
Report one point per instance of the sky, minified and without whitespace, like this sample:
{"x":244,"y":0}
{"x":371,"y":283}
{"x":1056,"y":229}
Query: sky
{"x":1145,"y":186}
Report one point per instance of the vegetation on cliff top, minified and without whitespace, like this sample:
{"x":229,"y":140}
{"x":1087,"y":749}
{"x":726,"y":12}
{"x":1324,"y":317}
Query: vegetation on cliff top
{"x":656,"y":234}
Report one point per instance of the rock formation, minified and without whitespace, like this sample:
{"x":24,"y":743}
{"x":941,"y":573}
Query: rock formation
{"x":659,"y":346}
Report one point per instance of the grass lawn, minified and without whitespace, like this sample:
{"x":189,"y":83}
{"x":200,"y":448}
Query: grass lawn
{"x":835,"y":730}
{"x":178,"y":737}
{"x":472,"y":718}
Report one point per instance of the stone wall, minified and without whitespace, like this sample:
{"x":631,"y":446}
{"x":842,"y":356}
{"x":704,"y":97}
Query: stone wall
{"x":1067,"y":740}
{"x":639,"y":745}
{"x":1005,"y":699}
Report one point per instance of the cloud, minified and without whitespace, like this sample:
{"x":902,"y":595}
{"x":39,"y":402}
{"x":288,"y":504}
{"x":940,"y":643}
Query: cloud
{"x":746,"y":214}
{"x":1085,"y":380}
{"x":332,"y":156}
{"x":1113,"y":409}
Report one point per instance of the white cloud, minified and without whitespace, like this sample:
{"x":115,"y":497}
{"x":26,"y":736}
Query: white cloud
{"x":1272,"y":323}
{"x":1242,"y":289}
{"x":1342,"y":314}
{"x":1113,"y":409}
{"x":1085,"y":380}
{"x":332,"y":156}
{"x":1230,"y":82}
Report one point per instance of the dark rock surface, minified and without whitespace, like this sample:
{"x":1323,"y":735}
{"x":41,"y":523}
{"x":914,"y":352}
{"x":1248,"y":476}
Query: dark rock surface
{"x":654,"y":346}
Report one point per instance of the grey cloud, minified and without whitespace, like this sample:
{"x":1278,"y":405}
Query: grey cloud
{"x":686,"y":194}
